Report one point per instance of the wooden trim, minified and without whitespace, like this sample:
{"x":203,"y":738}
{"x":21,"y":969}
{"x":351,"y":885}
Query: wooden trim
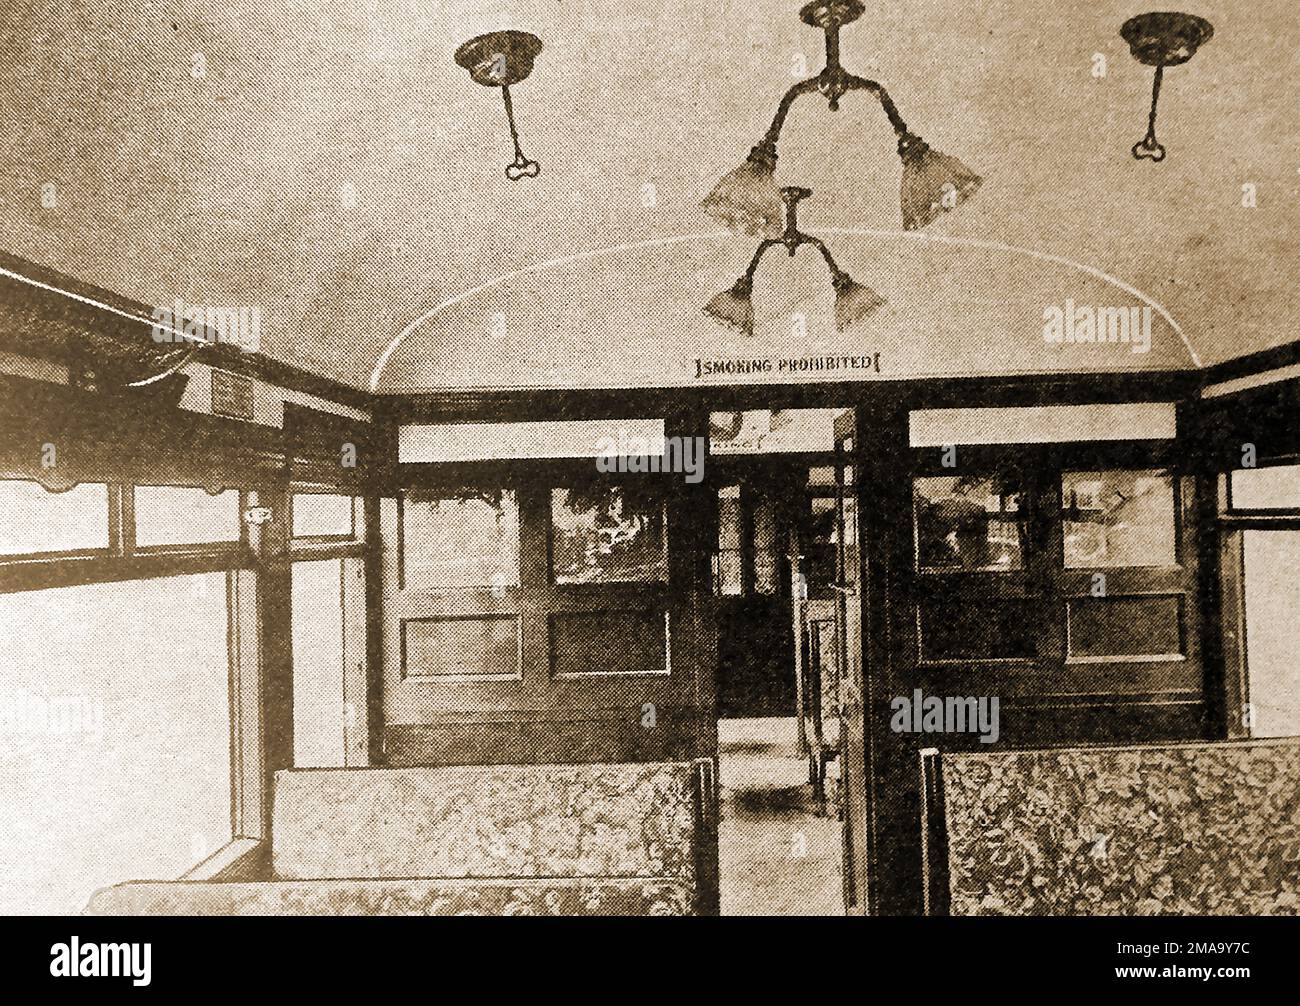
{"x":311,"y":549}
{"x":74,"y":302}
{"x":66,"y":571}
{"x":708,"y":880}
{"x":353,"y":595}
{"x":1251,"y":364}
{"x":505,"y":406}
{"x":934,"y":836}
{"x":373,"y":560}
{"x":1235,"y":685}
{"x":275,"y":642}
{"x":129,"y":440}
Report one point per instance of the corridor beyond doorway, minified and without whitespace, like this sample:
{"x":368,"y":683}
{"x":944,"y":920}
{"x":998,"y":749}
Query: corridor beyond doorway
{"x":777,"y":856}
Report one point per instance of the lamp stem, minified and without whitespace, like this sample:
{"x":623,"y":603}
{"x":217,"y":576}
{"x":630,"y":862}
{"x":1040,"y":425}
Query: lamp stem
{"x":521,"y":166}
{"x":510,"y":119}
{"x":1149,"y":146}
{"x":1155,"y":98}
{"x":838,"y":276}
{"x":763,"y":246}
{"x":832,"y":47}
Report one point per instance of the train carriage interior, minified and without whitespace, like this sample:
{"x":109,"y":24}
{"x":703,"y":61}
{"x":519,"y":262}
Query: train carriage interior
{"x":382,"y":532}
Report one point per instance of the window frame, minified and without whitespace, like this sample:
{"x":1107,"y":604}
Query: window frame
{"x":1231,"y":525}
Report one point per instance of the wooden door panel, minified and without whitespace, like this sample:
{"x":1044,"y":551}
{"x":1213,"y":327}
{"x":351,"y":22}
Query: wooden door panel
{"x":601,"y":671}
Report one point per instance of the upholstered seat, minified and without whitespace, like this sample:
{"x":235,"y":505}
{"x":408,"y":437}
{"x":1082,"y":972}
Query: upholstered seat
{"x":1182,"y":829}
{"x":613,"y":839}
{"x":481,"y":896}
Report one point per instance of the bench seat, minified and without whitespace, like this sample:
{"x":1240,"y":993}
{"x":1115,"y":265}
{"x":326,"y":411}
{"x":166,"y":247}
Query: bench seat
{"x":1207,"y":828}
{"x":479,"y":896}
{"x":603,"y":839}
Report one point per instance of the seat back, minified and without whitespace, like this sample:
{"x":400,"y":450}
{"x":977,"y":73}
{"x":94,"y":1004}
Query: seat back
{"x":1185,"y":829}
{"x":519,"y":821}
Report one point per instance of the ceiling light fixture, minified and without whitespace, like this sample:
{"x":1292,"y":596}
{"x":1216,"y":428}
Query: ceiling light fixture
{"x":1161,"y":39}
{"x":748,"y":200}
{"x":735,"y":306}
{"x":499,"y":59}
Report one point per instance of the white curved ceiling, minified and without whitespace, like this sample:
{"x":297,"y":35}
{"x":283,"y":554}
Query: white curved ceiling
{"x":226,"y":189}
{"x":631,"y":317}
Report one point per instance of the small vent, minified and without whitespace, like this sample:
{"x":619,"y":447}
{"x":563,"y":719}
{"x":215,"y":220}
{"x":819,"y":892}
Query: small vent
{"x":232,"y":395}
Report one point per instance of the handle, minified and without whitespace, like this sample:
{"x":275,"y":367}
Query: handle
{"x":1149,"y":148}
{"x":522,"y":167}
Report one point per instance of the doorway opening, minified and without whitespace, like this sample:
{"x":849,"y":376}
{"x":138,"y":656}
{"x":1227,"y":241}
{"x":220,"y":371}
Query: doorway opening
{"x":782,"y":573}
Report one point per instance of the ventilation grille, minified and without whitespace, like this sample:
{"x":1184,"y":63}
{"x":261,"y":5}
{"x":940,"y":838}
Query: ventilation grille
{"x":232,"y":395}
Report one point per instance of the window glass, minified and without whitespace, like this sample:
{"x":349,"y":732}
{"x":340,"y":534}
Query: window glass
{"x":730,"y":572}
{"x":323,"y":515}
{"x":176,"y":515}
{"x":823,"y":530}
{"x":1275,"y":488}
{"x":966,"y":523}
{"x":33,"y":520}
{"x":1272,"y":596}
{"x":319,"y":708}
{"x":1118,"y":518}
{"x":114,"y":736}
{"x":608,"y":534}
{"x":767,"y":550}
{"x":461,"y":538}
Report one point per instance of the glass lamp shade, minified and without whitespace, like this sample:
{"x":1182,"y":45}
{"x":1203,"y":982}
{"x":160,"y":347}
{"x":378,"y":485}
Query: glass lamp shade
{"x":747,"y":200}
{"x":932,"y":182}
{"x":853,"y":302}
{"x":734,"y":307}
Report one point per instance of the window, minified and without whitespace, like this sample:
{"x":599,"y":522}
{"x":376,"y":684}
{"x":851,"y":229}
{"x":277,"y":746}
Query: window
{"x":460,"y":538}
{"x":993,"y":585}
{"x":767,"y":548}
{"x":1272,"y":488}
{"x":966,"y":523}
{"x":115,"y":736}
{"x":324,"y":515}
{"x":176,"y":515}
{"x":1119,"y":518}
{"x":329,"y":705}
{"x":730,"y":571}
{"x":608,"y":534}
{"x":1272,"y":598}
{"x":820,"y":548}
{"x":34,"y":520}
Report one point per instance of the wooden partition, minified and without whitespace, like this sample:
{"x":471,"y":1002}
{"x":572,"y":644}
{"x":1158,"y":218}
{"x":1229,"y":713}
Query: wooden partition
{"x":541,"y":611}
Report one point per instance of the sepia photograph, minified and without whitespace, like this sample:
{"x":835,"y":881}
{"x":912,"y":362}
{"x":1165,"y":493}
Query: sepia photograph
{"x":622,"y":458}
